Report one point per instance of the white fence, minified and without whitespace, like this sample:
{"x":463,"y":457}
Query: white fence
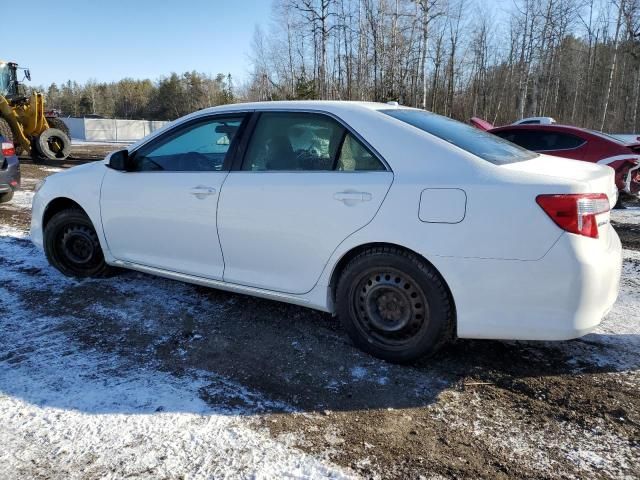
{"x":110,"y":130}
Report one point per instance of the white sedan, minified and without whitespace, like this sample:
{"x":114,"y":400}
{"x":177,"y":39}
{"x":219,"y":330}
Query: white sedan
{"x":411,"y":227}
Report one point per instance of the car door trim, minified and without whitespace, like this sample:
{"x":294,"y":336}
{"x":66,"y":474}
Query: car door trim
{"x":219,"y":284}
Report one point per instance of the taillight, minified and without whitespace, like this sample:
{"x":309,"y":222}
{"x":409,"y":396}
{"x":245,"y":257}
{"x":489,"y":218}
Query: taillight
{"x":8,"y":150}
{"x":575,"y":213}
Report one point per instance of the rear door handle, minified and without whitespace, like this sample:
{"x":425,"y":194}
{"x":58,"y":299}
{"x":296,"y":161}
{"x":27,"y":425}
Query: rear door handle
{"x":201,"y":191}
{"x":352,"y":197}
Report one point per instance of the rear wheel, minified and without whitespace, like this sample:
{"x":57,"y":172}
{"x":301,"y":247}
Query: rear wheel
{"x":53,"y":144}
{"x":71,"y":245}
{"x":58,"y":124}
{"x":394,"y":305}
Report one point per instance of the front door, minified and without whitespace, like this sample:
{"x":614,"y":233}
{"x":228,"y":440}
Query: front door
{"x":163,"y":213}
{"x":306,"y":183}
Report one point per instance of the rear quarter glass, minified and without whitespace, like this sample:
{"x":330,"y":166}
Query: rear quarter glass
{"x":484,"y":145}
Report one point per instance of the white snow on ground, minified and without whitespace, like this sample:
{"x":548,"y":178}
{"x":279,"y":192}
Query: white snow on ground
{"x":8,"y":231}
{"x":69,"y":411}
{"x":626,"y":215}
{"x":596,"y":451}
{"x":21,"y":199}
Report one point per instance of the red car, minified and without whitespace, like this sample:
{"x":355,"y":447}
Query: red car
{"x":578,"y":144}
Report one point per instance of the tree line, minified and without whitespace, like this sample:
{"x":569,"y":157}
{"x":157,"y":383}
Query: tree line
{"x":575,"y":60}
{"x":165,"y":99}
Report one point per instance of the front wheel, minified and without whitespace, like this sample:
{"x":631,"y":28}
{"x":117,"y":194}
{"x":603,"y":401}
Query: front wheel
{"x":394,"y":305}
{"x":71,"y":245}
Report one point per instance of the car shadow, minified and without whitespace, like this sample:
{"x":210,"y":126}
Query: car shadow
{"x":140,"y":344}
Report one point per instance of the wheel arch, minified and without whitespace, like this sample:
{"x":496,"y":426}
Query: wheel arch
{"x":355,"y":251}
{"x":58,"y":205}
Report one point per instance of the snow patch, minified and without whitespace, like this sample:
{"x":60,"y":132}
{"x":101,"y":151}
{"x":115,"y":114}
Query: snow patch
{"x":72,"y":409}
{"x":626,"y":215}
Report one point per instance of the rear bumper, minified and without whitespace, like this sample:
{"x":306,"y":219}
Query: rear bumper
{"x":564,"y":295}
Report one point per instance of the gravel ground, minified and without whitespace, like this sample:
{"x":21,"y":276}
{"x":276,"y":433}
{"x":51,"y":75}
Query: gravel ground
{"x":149,"y":378}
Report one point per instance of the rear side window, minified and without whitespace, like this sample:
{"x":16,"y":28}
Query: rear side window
{"x":355,"y":157}
{"x":540,"y":140}
{"x":294,"y":141}
{"x":482,"y":144}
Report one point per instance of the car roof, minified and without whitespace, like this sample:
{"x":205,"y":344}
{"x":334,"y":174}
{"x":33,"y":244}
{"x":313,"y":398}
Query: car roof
{"x":319,"y":105}
{"x":335,"y":107}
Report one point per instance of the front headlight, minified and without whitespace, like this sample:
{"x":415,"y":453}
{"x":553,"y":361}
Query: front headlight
{"x":39,"y":185}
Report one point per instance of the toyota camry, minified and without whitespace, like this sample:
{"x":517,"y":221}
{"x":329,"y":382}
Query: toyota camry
{"x":411,"y":227}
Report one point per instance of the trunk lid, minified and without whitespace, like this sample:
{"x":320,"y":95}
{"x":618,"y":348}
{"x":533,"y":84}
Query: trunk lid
{"x":480,"y":123}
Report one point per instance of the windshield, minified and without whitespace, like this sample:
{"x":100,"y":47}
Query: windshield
{"x":482,"y":144}
{"x":5,"y":78}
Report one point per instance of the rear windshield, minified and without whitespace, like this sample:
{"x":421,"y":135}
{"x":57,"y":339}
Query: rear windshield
{"x":482,"y":144}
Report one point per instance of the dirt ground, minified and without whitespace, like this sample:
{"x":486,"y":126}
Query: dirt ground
{"x":479,"y":409}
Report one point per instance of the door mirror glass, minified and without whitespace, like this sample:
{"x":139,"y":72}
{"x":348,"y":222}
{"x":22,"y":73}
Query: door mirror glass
{"x":119,"y":160}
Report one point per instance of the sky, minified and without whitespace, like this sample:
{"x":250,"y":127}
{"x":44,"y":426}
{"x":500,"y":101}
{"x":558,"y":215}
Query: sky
{"x":107,"y":40}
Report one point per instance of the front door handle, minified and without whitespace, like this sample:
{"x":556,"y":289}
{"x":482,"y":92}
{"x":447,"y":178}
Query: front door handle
{"x":201,"y":192}
{"x":351,"y":197}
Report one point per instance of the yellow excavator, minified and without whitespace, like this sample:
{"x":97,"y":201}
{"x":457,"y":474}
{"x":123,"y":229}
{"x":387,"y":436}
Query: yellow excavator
{"x":24,"y":121}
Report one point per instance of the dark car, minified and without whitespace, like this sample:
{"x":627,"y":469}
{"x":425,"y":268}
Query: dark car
{"x":578,"y":144}
{"x":9,"y":170}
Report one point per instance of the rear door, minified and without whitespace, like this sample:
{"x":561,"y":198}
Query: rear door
{"x":305,"y":184}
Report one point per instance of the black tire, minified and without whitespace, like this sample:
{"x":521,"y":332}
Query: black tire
{"x":57,"y":123}
{"x":394,"y":305}
{"x":71,"y":245}
{"x":53,"y":144}
{"x":6,"y":197}
{"x":5,"y":130}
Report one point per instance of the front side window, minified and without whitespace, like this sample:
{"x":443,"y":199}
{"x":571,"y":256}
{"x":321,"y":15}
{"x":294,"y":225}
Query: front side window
{"x":481,"y":144}
{"x":297,"y":141}
{"x":200,"y":147}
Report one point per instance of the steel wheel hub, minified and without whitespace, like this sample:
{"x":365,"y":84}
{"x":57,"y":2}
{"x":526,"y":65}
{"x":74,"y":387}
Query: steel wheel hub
{"x":390,"y":307}
{"x":78,"y":244}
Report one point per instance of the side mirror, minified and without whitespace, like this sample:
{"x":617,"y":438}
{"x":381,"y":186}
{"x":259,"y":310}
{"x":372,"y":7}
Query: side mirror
{"x":27,"y":74}
{"x":119,"y":160}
